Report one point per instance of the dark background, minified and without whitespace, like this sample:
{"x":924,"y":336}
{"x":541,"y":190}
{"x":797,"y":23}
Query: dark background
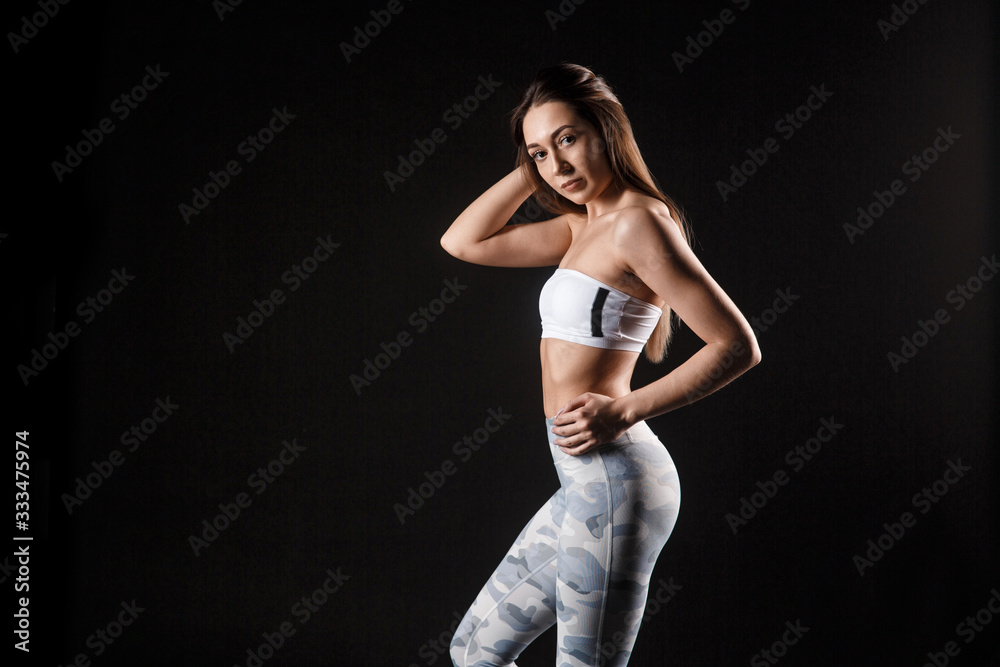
{"x":368,"y":450}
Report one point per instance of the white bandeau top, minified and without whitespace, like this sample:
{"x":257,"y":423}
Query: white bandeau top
{"x":580,"y":309}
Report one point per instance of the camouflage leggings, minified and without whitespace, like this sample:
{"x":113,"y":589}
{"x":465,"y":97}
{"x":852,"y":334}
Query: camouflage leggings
{"x":584,"y":560}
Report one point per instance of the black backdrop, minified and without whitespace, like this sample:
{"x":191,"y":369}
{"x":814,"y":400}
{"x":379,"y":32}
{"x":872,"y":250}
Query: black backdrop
{"x":357,"y":502}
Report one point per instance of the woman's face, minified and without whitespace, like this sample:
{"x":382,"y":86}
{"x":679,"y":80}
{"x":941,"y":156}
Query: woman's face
{"x":567,"y":150}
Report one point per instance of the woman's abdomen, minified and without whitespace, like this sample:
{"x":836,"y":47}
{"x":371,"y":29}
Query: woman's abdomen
{"x":571,"y":369}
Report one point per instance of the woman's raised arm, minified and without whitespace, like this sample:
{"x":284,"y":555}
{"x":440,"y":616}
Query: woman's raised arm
{"x":480,"y":235}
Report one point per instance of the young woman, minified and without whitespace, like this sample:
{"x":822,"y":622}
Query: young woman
{"x":584,"y":561}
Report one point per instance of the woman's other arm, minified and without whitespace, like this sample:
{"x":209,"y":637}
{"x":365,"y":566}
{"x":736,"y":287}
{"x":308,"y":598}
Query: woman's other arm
{"x":480,"y":235}
{"x":653,"y":248}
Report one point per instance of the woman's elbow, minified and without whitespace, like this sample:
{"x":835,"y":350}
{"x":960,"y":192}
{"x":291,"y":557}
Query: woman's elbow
{"x":742,"y":352}
{"x":753,"y":354}
{"x":451,"y":246}
{"x":463,"y":249}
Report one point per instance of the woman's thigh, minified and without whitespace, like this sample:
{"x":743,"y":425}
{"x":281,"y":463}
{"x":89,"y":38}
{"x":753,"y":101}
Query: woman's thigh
{"x":622,"y":501}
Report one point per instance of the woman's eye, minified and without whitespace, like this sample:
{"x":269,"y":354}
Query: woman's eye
{"x":537,"y":155}
{"x":568,"y":139}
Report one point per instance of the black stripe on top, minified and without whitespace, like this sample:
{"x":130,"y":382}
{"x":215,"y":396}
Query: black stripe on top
{"x":595,"y":312}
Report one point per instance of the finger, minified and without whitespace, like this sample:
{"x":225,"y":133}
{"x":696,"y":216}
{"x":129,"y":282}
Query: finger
{"x":577,"y":450}
{"x":570,"y":430}
{"x":568,"y":440}
{"x":565,"y":418}
{"x":573,"y":440}
{"x":562,"y":442}
{"x":577,"y":417}
{"x":565,"y":430}
{"x":572,"y":404}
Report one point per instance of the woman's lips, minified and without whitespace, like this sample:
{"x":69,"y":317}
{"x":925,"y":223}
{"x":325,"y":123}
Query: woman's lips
{"x":569,"y":186}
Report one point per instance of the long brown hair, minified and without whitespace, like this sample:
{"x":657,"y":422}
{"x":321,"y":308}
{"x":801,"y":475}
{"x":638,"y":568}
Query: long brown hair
{"x":592,"y":99}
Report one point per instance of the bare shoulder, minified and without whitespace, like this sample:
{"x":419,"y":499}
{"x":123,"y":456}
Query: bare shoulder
{"x":647,"y":217}
{"x":646,"y":235}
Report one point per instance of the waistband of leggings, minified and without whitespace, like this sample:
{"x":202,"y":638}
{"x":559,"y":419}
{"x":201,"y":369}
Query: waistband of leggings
{"x":638,"y":431}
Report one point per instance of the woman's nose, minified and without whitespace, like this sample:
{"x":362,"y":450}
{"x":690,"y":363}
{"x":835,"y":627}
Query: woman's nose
{"x":560,"y":166}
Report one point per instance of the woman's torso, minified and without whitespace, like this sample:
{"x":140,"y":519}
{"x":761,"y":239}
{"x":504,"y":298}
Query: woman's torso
{"x":570,"y":369}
